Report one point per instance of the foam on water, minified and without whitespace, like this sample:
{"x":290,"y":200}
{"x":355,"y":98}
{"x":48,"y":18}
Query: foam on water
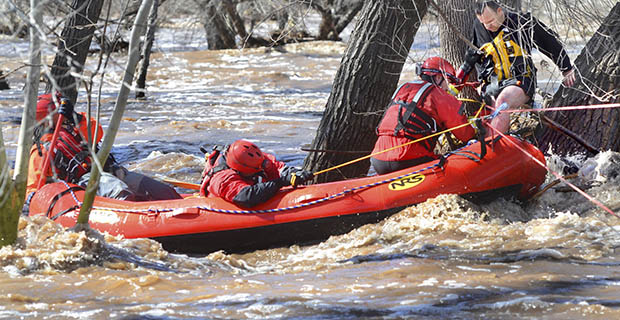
{"x":446,"y":257}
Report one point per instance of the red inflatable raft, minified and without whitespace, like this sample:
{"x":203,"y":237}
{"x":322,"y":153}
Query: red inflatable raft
{"x":306,"y":214}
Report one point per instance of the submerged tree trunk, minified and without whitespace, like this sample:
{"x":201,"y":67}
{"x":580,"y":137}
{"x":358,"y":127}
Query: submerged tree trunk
{"x":247,"y":40}
{"x":146,"y":51}
{"x":335,"y":17}
{"x":348,"y":13}
{"x":72,"y":50}
{"x":598,"y":81}
{"x":12,"y":193}
{"x":364,"y":83}
{"x":327,"y":27}
{"x":4,"y":85}
{"x":30,"y":101}
{"x":219,"y":35}
{"x":10,"y":203}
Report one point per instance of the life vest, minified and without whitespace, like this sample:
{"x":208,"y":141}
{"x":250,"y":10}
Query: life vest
{"x":43,"y":134}
{"x":71,"y":155}
{"x":507,"y":58}
{"x":404,"y":118}
{"x":214,"y":163}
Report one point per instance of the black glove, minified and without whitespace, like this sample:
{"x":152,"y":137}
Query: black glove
{"x":300,"y":177}
{"x":482,"y":130}
{"x":286,"y":176}
{"x":291,"y":176}
{"x":473,"y":56}
{"x":66,"y":109}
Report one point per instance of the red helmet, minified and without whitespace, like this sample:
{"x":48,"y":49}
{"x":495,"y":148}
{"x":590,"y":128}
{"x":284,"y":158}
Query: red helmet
{"x":245,"y":157}
{"x":437,"y":65}
{"x":45,"y":105}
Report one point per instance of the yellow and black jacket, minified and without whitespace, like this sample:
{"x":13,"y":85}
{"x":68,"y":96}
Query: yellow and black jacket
{"x":507,"y":52}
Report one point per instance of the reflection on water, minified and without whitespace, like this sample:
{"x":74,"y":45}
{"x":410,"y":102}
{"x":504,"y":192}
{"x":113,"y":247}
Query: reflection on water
{"x":555,"y":257}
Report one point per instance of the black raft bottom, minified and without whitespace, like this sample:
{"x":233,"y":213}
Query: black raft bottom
{"x":304,"y":232}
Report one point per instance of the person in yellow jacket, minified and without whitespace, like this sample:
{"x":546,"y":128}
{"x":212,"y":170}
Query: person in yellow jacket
{"x":504,"y":63}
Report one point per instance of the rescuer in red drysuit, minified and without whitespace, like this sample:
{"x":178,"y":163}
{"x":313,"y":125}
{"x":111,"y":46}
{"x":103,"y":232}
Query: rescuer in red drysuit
{"x":419,"y":109}
{"x":242,"y":174}
{"x":71,"y":160}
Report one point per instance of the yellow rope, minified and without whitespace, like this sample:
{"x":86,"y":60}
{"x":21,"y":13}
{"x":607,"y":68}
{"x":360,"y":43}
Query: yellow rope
{"x":469,"y":100}
{"x":392,"y":148}
{"x":408,"y":143}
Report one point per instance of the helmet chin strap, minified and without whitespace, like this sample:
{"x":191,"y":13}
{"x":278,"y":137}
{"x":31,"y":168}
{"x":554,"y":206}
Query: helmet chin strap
{"x":440,"y":82}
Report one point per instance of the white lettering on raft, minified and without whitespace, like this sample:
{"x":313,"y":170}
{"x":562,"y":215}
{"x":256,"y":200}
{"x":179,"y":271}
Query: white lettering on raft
{"x":103,"y":216}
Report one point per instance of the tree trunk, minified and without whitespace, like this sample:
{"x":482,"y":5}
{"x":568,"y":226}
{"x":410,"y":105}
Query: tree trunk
{"x":219,"y":35}
{"x":10,"y":23}
{"x":335,"y":17}
{"x":598,"y":67}
{"x":460,"y":17}
{"x":367,"y":77}
{"x":12,"y":193}
{"x":328,"y":25}
{"x":72,"y":50}
{"x":30,"y":100}
{"x":119,"y":108}
{"x":247,"y":40}
{"x":237,"y":22}
{"x":3,"y":84}
{"x":146,"y":51}
{"x":10,"y":203}
{"x":349,"y":13}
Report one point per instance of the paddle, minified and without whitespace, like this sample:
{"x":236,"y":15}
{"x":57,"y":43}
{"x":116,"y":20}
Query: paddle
{"x":182,"y":184}
{"x":48,"y":158}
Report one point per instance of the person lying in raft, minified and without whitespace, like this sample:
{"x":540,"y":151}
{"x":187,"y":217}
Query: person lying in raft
{"x":244,"y":175}
{"x":418,"y":109}
{"x":72,"y":159}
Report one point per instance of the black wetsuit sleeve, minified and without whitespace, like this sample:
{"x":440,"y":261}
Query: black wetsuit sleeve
{"x":547,"y":42}
{"x":479,"y":36}
{"x":257,"y":193}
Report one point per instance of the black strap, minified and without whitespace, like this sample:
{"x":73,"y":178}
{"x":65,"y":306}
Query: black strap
{"x":422,"y":123}
{"x":411,"y":107}
{"x":57,"y":197}
{"x":471,"y":152}
{"x":64,"y":211}
{"x":481,"y":134}
{"x":39,"y":148}
{"x":219,"y":164}
{"x":442,"y":160}
{"x":26,"y":207}
{"x":464,"y":154}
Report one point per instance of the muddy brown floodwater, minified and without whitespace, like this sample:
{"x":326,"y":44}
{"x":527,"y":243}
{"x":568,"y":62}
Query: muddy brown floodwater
{"x":553,"y":258}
